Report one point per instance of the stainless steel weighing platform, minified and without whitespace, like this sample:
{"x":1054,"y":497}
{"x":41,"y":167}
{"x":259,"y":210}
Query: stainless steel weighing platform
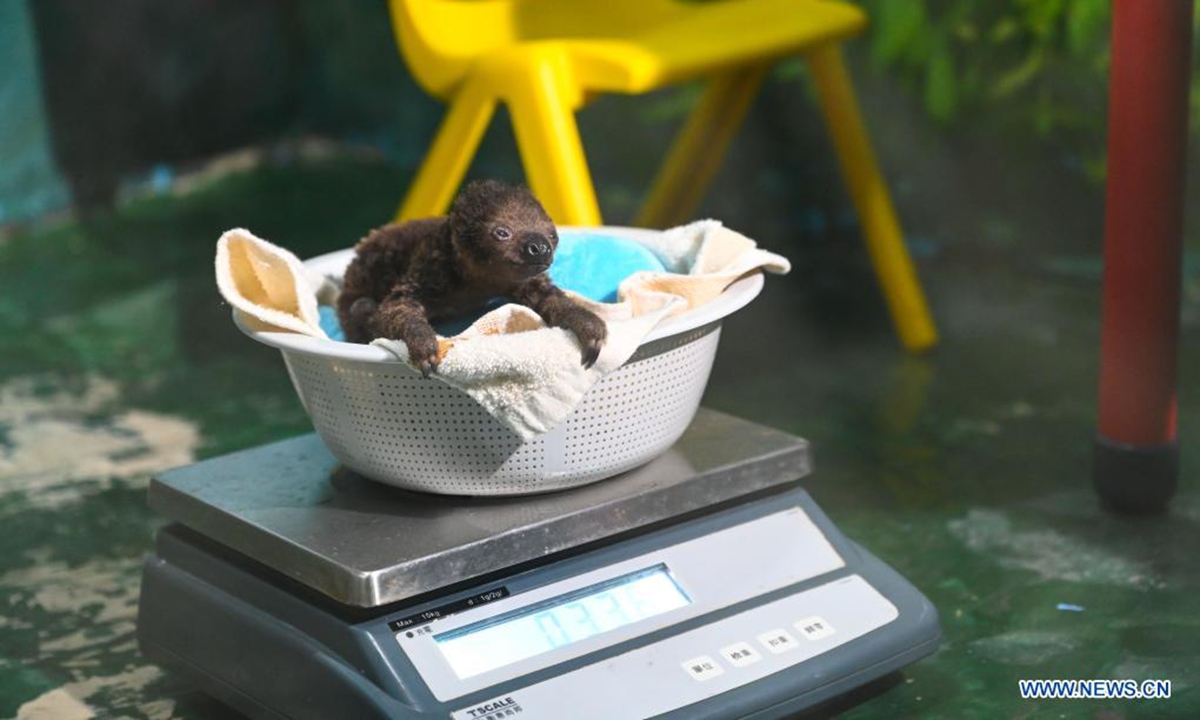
{"x":706,"y":584}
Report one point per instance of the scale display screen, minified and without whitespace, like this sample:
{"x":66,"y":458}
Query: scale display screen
{"x":562,"y":620}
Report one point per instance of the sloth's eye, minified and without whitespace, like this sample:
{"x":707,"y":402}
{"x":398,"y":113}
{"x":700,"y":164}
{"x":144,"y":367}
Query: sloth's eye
{"x":501,"y":233}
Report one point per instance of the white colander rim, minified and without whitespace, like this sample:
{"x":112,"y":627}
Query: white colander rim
{"x":735,"y":297}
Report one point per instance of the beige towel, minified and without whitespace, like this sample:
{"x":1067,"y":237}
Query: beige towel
{"x":527,"y":375}
{"x":269,"y":285}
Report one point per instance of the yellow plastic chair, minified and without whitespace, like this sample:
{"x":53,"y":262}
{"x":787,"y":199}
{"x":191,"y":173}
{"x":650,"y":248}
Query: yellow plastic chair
{"x":546,"y":58}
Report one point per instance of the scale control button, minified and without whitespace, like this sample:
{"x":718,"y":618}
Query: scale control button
{"x":778,"y":641}
{"x":740,"y":654}
{"x":703,"y":668}
{"x":814,"y":627}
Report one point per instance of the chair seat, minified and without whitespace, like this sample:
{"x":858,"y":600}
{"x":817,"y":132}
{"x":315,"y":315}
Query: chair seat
{"x":676,"y":41}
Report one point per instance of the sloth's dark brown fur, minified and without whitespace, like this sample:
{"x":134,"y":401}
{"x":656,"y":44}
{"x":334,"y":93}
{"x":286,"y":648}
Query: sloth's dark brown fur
{"x":497,"y":242}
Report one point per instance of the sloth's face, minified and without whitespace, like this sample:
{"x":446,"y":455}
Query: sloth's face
{"x":504,"y":231}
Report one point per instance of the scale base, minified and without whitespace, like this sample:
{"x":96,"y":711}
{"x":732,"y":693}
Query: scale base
{"x":233,"y":626}
{"x":290,"y":588}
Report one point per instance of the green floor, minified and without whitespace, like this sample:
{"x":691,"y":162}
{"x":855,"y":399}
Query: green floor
{"x":967,"y":470}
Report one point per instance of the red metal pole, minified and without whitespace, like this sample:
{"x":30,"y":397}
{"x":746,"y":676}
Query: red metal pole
{"x":1137,"y":456}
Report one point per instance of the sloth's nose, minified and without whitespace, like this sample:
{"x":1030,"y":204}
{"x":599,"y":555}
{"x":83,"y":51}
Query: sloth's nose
{"x":536,"y":247}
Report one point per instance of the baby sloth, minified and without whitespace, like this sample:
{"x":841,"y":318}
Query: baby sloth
{"x":497,"y":242}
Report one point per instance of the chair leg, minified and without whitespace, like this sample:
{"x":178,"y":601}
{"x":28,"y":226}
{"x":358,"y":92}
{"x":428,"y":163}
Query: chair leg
{"x":700,"y":147}
{"x":542,"y":105}
{"x":448,"y":158}
{"x":885,"y":243}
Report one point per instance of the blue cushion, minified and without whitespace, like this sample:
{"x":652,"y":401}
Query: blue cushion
{"x":590,"y":264}
{"x":593,"y":265}
{"x":330,"y":324}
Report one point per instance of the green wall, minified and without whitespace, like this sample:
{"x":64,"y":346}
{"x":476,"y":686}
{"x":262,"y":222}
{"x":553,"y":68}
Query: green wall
{"x":29,"y":183}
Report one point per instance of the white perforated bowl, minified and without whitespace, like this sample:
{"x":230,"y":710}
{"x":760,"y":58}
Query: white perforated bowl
{"x":380,"y":418}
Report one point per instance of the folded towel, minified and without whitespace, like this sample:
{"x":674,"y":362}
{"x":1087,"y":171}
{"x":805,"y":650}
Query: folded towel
{"x":269,"y":285}
{"x":526,"y":374}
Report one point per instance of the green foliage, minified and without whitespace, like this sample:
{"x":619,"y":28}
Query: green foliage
{"x":1021,"y":64}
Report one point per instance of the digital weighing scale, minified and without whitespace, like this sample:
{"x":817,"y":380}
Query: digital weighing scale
{"x":706,"y":584}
